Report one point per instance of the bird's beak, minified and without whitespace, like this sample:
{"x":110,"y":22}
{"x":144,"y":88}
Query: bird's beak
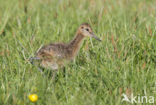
{"x":94,"y":36}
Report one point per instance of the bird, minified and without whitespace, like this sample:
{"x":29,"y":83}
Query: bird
{"x":56,"y":55}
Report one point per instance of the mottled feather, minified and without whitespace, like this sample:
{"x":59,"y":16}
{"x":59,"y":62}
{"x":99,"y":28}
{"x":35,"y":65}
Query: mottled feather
{"x":56,"y":55}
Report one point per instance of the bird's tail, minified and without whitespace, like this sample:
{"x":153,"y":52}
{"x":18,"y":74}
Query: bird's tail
{"x":32,"y":59}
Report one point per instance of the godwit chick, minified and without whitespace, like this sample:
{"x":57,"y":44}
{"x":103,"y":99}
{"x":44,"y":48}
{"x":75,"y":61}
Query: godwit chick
{"x":56,"y":55}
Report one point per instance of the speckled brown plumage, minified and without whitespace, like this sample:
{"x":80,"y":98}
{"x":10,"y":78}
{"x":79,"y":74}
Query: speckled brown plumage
{"x":56,"y":55}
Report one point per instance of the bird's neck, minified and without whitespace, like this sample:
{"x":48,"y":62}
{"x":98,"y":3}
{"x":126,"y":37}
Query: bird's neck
{"x":75,"y":44}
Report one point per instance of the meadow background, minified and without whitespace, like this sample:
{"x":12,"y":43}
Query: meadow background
{"x":124,"y":62}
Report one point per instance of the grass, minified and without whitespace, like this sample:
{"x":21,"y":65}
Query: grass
{"x":124,"y":62}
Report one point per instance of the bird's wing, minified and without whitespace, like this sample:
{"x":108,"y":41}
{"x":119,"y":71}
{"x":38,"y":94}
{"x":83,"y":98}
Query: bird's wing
{"x":49,"y":52}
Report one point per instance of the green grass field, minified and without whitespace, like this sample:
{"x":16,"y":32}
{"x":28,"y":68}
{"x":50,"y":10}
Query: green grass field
{"x":124,"y":62}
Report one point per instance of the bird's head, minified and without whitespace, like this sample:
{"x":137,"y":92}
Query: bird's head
{"x":86,"y":30}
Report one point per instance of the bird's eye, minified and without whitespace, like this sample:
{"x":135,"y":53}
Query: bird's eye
{"x":87,"y":29}
{"x":82,"y":27}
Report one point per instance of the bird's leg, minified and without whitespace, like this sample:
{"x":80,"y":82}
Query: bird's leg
{"x":54,"y":74}
{"x":64,"y":72}
{"x":41,"y":71}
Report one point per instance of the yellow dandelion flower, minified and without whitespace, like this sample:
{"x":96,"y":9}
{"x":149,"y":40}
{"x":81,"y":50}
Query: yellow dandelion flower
{"x":33,"y":97}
